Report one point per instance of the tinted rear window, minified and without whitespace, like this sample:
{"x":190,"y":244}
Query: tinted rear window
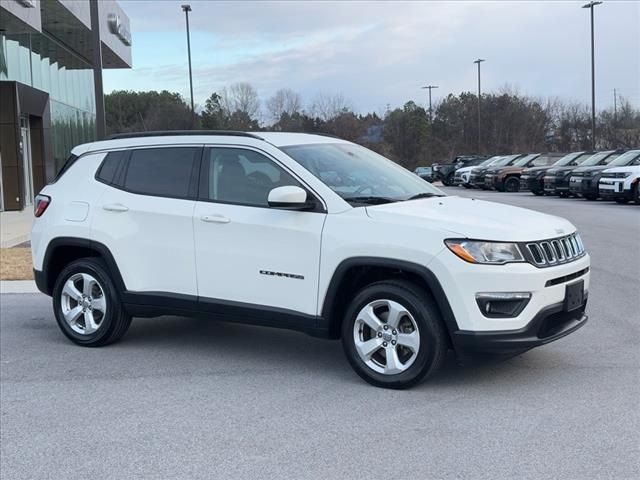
{"x":109,"y":166}
{"x":161,"y":171}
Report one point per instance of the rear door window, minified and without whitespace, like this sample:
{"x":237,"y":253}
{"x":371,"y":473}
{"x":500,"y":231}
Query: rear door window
{"x":164,"y":172}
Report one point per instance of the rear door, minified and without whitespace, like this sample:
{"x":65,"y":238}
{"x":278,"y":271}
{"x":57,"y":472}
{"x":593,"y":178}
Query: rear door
{"x":145,"y":217}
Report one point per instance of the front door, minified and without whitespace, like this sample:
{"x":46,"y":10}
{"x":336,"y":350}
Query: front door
{"x":247,"y":252}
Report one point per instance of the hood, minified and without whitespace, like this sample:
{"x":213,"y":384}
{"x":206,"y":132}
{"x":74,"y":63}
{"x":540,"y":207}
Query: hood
{"x":536,"y":170}
{"x":477,"y":219}
{"x":593,"y":168}
{"x":466,"y":169}
{"x":560,"y":170}
{"x":512,"y":169}
{"x":629,"y":168}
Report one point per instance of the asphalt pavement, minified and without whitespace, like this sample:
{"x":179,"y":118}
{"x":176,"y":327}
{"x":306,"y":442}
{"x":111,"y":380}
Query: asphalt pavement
{"x":195,"y":399}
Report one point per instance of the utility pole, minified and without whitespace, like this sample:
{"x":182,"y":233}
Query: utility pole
{"x":615,"y":107}
{"x":430,"y":87}
{"x":479,"y":61}
{"x":187,"y":9}
{"x":590,"y":6}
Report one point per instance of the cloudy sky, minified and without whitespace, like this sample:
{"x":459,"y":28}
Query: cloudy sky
{"x":379,"y":53}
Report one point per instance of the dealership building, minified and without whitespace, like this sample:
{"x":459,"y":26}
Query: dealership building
{"x":50,"y":99}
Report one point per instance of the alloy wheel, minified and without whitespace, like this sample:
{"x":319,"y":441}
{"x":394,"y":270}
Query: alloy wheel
{"x":83,"y":303}
{"x":386,"y":337}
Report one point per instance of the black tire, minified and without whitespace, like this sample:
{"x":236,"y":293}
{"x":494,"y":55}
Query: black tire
{"x":636,"y":193}
{"x":621,"y":200}
{"x":433,"y":344}
{"x":539,"y":193}
{"x":563,"y":195}
{"x":448,"y":180}
{"x":466,"y":185}
{"x":590,"y":196}
{"x":511,"y":185}
{"x":115,"y":321}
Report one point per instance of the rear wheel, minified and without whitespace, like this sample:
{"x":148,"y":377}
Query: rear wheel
{"x":86,"y":304}
{"x":393,"y":335}
{"x":512,"y":184}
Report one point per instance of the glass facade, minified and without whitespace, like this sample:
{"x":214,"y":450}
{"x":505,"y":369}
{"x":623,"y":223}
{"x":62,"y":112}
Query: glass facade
{"x":42,"y":63}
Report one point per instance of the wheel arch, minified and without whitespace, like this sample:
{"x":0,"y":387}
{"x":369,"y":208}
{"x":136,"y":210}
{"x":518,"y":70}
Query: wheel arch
{"x":63,"y":250}
{"x":354,"y":273}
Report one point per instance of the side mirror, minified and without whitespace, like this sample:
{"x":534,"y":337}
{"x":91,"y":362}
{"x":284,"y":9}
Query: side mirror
{"x":290,"y":198}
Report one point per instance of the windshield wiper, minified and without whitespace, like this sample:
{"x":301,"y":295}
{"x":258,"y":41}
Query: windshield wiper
{"x":424,"y":195}
{"x":370,"y":200}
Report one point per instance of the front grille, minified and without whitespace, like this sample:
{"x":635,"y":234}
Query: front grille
{"x":556,"y":251}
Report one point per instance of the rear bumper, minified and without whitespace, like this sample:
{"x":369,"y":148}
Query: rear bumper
{"x":41,"y":281}
{"x":550,"y":324}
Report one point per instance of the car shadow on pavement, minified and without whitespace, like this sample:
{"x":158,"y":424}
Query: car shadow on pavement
{"x":247,"y":346}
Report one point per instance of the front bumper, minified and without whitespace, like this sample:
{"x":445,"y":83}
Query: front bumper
{"x":529,"y":183}
{"x":555,"y":185}
{"x":582,"y":186}
{"x":613,"y":188}
{"x":477,"y":181}
{"x":550,"y":324}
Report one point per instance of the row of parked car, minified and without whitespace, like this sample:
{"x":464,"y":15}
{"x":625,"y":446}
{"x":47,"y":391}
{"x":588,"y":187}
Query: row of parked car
{"x":611,"y":174}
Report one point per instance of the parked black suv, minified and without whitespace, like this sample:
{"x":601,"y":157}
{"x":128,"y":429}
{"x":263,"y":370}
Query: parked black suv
{"x":477,"y":177}
{"x":445,"y":172}
{"x":532,"y":179}
{"x":583,"y":181}
{"x":556,"y":180}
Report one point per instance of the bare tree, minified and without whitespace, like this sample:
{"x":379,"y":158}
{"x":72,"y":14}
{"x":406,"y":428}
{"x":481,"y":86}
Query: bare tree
{"x":286,"y":101}
{"x":241,"y":97}
{"x":327,"y":107}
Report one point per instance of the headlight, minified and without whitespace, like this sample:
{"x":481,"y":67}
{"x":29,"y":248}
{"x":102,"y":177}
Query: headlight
{"x":622,"y":174}
{"x":492,"y":253}
{"x":588,"y":174}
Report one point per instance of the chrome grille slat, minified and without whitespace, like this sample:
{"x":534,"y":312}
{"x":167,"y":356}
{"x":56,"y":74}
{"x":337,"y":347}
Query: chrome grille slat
{"x":555,"y":251}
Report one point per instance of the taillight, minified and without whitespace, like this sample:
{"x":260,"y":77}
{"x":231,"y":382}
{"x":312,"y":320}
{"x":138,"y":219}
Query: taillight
{"x":41,"y":204}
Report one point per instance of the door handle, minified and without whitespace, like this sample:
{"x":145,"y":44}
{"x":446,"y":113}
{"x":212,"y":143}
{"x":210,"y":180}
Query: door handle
{"x":215,"y":218}
{"x":115,"y":207}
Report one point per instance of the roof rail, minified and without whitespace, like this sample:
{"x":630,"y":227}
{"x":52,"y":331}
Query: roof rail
{"x":170,"y":133}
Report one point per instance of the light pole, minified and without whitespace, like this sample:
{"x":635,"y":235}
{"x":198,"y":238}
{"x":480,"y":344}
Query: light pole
{"x":187,"y":9}
{"x":430,"y":87}
{"x":590,"y":6}
{"x":479,"y":61}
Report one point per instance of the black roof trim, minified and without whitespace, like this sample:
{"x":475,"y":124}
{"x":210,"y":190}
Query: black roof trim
{"x":171,"y":133}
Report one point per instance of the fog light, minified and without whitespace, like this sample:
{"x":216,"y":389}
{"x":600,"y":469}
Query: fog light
{"x":502,"y":304}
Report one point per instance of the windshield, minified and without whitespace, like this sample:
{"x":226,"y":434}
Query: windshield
{"x":595,"y":159}
{"x":567,"y":159}
{"x":624,"y":159}
{"x":524,"y":160}
{"x":490,"y":161}
{"x":505,"y":161}
{"x":358,"y":174}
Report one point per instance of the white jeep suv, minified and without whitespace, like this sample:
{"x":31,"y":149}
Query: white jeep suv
{"x":304,"y":232}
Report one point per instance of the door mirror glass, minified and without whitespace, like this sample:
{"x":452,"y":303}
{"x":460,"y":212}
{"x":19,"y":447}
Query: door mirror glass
{"x":290,"y":197}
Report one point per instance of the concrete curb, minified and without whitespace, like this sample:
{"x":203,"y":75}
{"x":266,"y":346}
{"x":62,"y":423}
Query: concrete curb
{"x":18,"y":286}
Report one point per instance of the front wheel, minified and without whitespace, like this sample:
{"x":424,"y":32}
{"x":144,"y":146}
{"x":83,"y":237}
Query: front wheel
{"x":393,"y":335}
{"x":636,"y":193}
{"x":448,"y":180}
{"x":86,"y":304}
{"x":512,"y":184}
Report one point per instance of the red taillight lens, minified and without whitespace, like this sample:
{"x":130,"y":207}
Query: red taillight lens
{"x":41,"y":204}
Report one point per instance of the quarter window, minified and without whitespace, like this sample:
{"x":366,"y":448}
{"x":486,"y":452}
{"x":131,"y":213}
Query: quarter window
{"x":163,"y":172}
{"x":244,"y":177}
{"x":109,"y":166}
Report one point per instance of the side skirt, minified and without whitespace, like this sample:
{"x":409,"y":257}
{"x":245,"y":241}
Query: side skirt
{"x":155,"y":304}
